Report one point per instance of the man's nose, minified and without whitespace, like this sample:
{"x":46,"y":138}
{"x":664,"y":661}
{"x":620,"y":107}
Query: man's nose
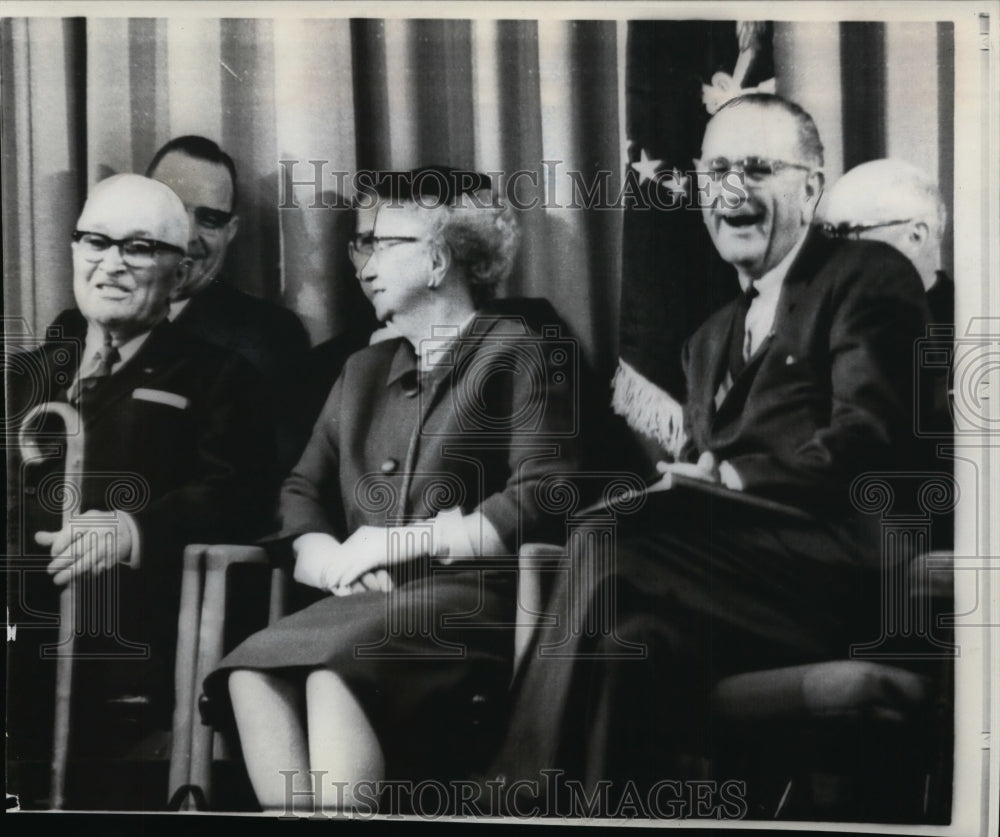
{"x":113,"y":260}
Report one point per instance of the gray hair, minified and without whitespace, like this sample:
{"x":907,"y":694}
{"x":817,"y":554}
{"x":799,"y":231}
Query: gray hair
{"x":483,"y":239}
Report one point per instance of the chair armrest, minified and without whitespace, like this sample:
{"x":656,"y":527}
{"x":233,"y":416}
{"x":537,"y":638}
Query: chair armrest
{"x":220,"y":557}
{"x":839,"y":688}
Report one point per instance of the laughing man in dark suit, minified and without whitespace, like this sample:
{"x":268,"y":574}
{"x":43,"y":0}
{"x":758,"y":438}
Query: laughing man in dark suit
{"x":794,"y":389}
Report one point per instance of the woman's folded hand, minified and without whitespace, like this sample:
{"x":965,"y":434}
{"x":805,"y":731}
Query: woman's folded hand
{"x":367,"y":549}
{"x":315,"y":556}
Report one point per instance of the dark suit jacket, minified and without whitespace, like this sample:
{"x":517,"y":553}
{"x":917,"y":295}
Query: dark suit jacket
{"x":180,"y":438}
{"x":481,"y":431}
{"x":269,"y":337}
{"x":941,"y":299}
{"x":830,"y":393}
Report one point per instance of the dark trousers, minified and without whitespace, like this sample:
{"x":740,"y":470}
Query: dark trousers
{"x":695,"y":586}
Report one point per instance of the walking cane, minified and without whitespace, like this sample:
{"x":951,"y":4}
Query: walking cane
{"x":67,"y":628}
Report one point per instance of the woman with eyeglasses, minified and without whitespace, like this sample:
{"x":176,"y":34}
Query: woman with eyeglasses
{"x":429,"y":464}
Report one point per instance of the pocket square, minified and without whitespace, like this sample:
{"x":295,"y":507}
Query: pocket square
{"x":790,"y":360}
{"x":158,"y":396}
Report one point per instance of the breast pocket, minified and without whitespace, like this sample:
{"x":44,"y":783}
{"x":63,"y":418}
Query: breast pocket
{"x":158,"y":435}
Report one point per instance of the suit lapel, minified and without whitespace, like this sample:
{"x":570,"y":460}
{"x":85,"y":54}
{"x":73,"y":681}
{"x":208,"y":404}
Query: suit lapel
{"x":707,"y":381}
{"x":145,"y":363}
{"x":800,"y":274}
{"x":815,"y":253}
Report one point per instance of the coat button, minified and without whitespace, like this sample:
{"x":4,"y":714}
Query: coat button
{"x":389,"y":466}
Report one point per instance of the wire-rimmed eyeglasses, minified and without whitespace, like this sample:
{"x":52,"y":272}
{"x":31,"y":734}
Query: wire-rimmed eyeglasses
{"x":845,"y":229}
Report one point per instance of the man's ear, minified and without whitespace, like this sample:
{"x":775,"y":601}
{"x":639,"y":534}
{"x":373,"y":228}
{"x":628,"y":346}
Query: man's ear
{"x":232,"y":228}
{"x":440,"y":263}
{"x":813,"y":191}
{"x":814,"y":186}
{"x":918,"y":233}
{"x":179,"y":278}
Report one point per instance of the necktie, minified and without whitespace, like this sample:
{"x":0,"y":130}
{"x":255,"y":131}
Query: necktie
{"x":739,"y":342}
{"x":103,"y":363}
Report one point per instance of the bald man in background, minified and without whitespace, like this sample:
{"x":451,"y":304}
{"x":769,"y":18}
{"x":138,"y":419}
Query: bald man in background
{"x":897,"y":203}
{"x":178,"y":449}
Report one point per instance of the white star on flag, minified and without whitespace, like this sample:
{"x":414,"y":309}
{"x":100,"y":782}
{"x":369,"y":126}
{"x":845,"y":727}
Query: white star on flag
{"x":674,"y":180}
{"x":646,"y":167}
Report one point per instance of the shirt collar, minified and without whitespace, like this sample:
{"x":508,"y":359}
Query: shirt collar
{"x":126,"y":350}
{"x":177,"y":307}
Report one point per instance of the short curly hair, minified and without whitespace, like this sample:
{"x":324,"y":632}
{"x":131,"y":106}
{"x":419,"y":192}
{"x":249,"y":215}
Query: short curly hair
{"x":463,"y":213}
{"x":483,"y":239}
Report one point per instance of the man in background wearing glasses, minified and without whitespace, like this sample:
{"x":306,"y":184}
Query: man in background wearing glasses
{"x":176,"y":449}
{"x":749,"y":553}
{"x":204,"y":177}
{"x":895,"y":202}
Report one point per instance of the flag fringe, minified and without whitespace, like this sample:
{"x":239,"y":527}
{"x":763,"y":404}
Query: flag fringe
{"x":647,"y":408}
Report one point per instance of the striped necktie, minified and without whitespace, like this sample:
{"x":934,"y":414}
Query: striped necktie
{"x":103,"y":363}
{"x":739,"y":343}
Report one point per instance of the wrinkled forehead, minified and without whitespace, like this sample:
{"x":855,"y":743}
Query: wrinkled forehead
{"x":752,"y":131}
{"x":131,"y":205}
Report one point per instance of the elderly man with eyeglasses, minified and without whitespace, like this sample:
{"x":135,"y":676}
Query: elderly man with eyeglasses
{"x":177,"y":449}
{"x":207,"y":304}
{"x":896,"y":202}
{"x":749,"y":553}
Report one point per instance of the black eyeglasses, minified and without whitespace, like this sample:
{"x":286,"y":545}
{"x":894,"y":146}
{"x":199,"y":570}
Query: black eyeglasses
{"x":135,"y":251}
{"x":211,"y":219}
{"x":854,"y":231}
{"x":366,"y":243}
{"x":755,"y":169}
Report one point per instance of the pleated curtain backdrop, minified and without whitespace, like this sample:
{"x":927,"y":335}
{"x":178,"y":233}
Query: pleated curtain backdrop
{"x":84,"y":98}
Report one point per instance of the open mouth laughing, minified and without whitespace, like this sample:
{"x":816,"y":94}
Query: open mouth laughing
{"x":742,"y":220}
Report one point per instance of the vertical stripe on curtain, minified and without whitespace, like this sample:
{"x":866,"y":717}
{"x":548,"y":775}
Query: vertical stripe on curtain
{"x":807,"y":64}
{"x":579,"y":104}
{"x":945,"y":54}
{"x":41,"y":164}
{"x":863,"y":80}
{"x":314,"y":103}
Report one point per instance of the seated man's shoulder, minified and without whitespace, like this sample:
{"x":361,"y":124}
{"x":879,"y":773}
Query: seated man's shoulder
{"x":202,"y":363}
{"x":882,"y":266}
{"x":70,"y":323}
{"x":252,"y":310}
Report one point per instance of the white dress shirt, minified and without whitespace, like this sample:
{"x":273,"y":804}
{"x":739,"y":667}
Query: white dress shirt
{"x":763,"y":307}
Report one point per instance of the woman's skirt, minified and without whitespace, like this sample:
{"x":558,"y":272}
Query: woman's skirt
{"x":430,"y":663}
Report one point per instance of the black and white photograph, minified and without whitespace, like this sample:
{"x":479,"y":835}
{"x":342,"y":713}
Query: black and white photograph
{"x":552,"y":414}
